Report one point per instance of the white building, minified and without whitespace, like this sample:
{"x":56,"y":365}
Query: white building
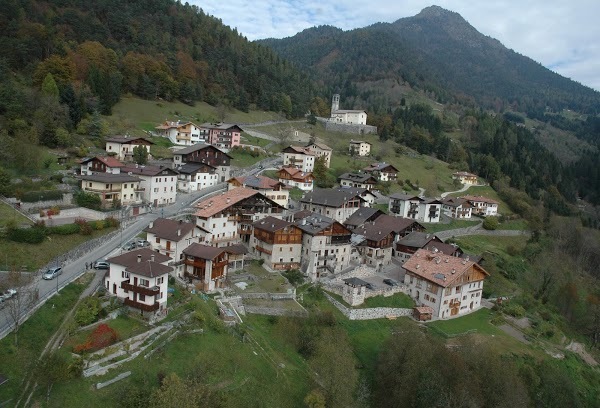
{"x":357,"y":180}
{"x":206,"y":265}
{"x":195,"y":177}
{"x":482,"y":205}
{"x":359,"y":148}
{"x":338,"y":204}
{"x":415,"y":207}
{"x":358,"y":117}
{"x":113,"y":189}
{"x":450,"y":285}
{"x":294,"y":177}
{"x":122,"y":146}
{"x":159,"y":183}
{"x":182,"y":133}
{"x":170,"y":237}
{"x":140,"y":278}
{"x":300,"y":157}
{"x":278,"y":242}
{"x":99,"y":164}
{"x":457,"y":208}
{"x":272,"y":189}
{"x":321,"y":150}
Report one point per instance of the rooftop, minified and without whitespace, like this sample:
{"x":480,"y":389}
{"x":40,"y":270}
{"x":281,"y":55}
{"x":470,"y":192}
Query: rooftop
{"x":271,"y":224}
{"x":203,"y":251}
{"x":479,"y":199}
{"x":128,"y":140}
{"x":144,"y":261}
{"x":196,"y":147}
{"x":107,"y":160}
{"x":358,"y":177}
{"x":213,"y":205}
{"x":379,"y":167}
{"x":110,"y":178}
{"x":331,"y":197}
{"x":298,"y":150}
{"x":256,"y":182}
{"x":363,"y":215}
{"x":148,"y":170}
{"x":417,"y":239}
{"x":438,"y":268}
{"x":171,"y":230}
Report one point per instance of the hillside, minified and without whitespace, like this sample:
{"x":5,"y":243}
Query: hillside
{"x":436,"y":51}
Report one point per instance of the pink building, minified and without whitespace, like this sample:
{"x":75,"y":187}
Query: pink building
{"x":223,"y":135}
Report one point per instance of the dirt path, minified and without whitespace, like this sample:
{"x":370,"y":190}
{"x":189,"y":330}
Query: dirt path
{"x":465,"y":187}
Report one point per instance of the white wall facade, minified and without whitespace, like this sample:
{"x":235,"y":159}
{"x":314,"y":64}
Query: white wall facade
{"x":304,"y":162}
{"x":318,"y":252}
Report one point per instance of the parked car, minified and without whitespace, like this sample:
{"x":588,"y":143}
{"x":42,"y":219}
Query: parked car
{"x":52,"y":273}
{"x":142,"y":243}
{"x":7,"y":294}
{"x":369,"y":286}
{"x":129,"y":246}
{"x":390,"y":282}
{"x":101,"y":265}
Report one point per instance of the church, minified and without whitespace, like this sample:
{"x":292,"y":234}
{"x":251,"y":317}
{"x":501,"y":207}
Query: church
{"x":353,"y":117}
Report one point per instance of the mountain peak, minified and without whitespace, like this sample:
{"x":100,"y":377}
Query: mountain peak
{"x":436,"y":12}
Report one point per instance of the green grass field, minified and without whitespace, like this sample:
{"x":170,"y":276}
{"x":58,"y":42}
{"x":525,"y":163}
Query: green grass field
{"x":9,"y":215}
{"x":34,"y":256}
{"x":492,"y":244}
{"x":242,"y":158}
{"x":453,"y":224}
{"x":137,"y":116}
{"x":17,"y":361}
{"x":478,"y":322}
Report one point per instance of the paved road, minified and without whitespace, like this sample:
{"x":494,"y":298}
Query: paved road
{"x":465,"y":187}
{"x":112,"y":245}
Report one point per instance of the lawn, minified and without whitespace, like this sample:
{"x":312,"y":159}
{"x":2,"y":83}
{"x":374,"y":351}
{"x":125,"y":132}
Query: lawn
{"x":16,"y":362}
{"x":260,"y":368}
{"x":9,"y":215}
{"x":266,"y":282}
{"x":139,"y":115}
{"x":34,"y":256}
{"x":478,"y":321}
{"x":243,"y":158}
{"x":398,"y":300}
{"x":453,"y":224}
{"x":254,"y":141}
{"x":492,"y":244}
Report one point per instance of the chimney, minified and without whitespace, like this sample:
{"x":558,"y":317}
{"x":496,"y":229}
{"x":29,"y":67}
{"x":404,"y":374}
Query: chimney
{"x":180,"y":222}
{"x":151,"y":224}
{"x":453,"y":271}
{"x":152,"y":258}
{"x":139,"y":258}
{"x":179,"y":232}
{"x":228,"y":200}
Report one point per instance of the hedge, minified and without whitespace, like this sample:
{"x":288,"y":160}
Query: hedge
{"x":34,"y":196}
{"x":27,"y":235}
{"x":66,"y":229}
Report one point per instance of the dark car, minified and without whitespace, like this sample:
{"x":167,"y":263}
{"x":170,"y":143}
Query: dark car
{"x":101,"y":265}
{"x":129,"y":246}
{"x":52,"y":273}
{"x":369,"y":286}
{"x":390,"y":282}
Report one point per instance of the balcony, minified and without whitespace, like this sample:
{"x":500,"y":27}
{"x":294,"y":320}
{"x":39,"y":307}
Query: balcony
{"x":326,"y":257}
{"x":142,"y":306}
{"x":103,"y":190}
{"x":224,"y":239}
{"x":263,"y":250}
{"x":244,"y":231}
{"x":140,"y":289}
{"x":139,"y":189}
{"x":380,"y":256}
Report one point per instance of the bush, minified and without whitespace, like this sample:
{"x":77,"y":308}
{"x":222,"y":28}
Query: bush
{"x":103,"y":336}
{"x":35,"y":196}
{"x":31,"y":235}
{"x":88,"y":200}
{"x":111,"y":222}
{"x":84,"y":227}
{"x":513,"y":309}
{"x":294,"y":277}
{"x":490,"y":223}
{"x":88,"y":311}
{"x":67,"y":229}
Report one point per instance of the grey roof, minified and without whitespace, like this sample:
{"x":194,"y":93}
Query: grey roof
{"x":144,"y":262}
{"x":195,"y":147}
{"x":358,"y":177}
{"x":109,"y":178}
{"x":191,"y":167}
{"x":404,"y":196}
{"x":330,"y":197}
{"x":314,"y":223}
{"x":237,"y":249}
{"x":127,"y":139}
{"x":171,"y":230}
{"x":363,"y":215}
{"x":379,"y":166}
{"x":271,"y":224}
{"x":203,"y":251}
{"x":148,"y":170}
{"x":416,"y":239}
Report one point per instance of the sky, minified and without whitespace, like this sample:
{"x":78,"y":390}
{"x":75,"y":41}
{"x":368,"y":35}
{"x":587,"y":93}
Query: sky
{"x":562,"y":35}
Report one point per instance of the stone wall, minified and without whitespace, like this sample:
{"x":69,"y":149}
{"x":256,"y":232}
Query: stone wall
{"x":275,"y":311}
{"x":67,"y":200}
{"x":271,"y":296}
{"x":349,"y":128}
{"x":370,"y":313}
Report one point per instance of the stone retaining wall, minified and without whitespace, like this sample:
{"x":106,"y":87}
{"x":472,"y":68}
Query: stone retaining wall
{"x":370,"y":313}
{"x":271,"y":311}
{"x":348,"y":127}
{"x":271,"y":296}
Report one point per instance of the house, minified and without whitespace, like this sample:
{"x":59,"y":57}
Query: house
{"x":412,"y":242}
{"x":374,"y":232}
{"x":273,"y":189}
{"x":170,"y":237}
{"x":412,"y":206}
{"x":338,"y":204}
{"x":457,"y":208}
{"x":122,"y":146}
{"x":100,"y":164}
{"x":451,"y":286}
{"x":113,"y":189}
{"x":465,"y":177}
{"x":205,"y":154}
{"x":300,"y":157}
{"x":361,"y":216}
{"x":338,"y":115}
{"x":196,"y":176}
{"x":182,"y":133}
{"x":382,"y":171}
{"x":358,"y":180}
{"x":227,"y":218}
{"x":235,"y":256}
{"x":367,"y":195}
{"x":159,"y":183}
{"x":482,"y":206}
{"x":140,"y":278}
{"x":294,"y":177}
{"x":374,"y":241}
{"x":326,"y":245}
{"x":359,"y":148}
{"x":223,"y":135}
{"x":206,"y":265}
{"x":278,"y":242}
{"x":321,"y":150}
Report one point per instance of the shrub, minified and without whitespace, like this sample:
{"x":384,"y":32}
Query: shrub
{"x":103,"y":336}
{"x":34,"y":196}
{"x":27,"y":235}
{"x":88,"y":200}
{"x":84,"y":227}
{"x":66,"y":229}
{"x":513,"y":309}
{"x":294,"y":276}
{"x":88,"y":311}
{"x":490,"y":223}
{"x":111,"y":222}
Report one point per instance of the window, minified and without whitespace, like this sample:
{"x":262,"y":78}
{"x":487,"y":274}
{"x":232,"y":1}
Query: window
{"x":159,"y":281}
{"x":157,"y":240}
{"x":124,"y":275}
{"x":290,"y":249}
{"x":159,"y":296}
{"x":142,"y":297}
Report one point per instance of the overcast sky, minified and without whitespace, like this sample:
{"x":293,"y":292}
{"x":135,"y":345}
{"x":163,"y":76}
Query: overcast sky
{"x":562,"y":35}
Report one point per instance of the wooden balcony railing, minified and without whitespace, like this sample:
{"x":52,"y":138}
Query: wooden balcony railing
{"x":263,"y":250}
{"x":140,"y":289}
{"x":142,"y":306}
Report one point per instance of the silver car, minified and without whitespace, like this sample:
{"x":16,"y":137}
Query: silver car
{"x":52,"y":273}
